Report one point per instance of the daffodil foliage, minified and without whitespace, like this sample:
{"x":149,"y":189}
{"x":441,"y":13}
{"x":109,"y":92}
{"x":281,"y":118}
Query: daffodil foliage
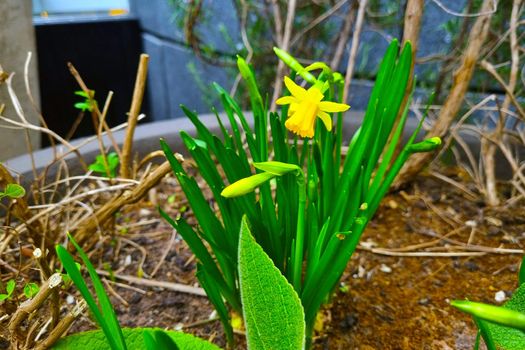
{"x":307,"y":203}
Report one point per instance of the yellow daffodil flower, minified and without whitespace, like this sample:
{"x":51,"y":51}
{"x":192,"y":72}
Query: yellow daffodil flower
{"x":305,"y":106}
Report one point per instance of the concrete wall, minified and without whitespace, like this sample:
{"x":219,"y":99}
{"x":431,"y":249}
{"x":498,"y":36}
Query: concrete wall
{"x":16,"y":39}
{"x":171,"y":74}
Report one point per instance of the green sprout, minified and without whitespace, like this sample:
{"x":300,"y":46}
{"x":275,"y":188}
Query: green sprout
{"x":31,"y":289}
{"x":99,"y":165}
{"x":88,"y":104}
{"x":13,"y":191}
{"x":104,"y":314}
{"x":9,"y":288}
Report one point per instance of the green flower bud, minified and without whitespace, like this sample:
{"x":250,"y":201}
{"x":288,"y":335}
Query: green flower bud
{"x":491,"y":313}
{"x":246,"y":185}
{"x":425,"y":145}
{"x":294,"y":64}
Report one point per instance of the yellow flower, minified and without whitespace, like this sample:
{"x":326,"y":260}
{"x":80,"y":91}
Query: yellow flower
{"x":305,"y":106}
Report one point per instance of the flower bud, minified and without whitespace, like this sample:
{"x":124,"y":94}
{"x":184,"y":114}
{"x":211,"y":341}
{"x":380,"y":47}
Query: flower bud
{"x":425,"y":145}
{"x":246,"y":185}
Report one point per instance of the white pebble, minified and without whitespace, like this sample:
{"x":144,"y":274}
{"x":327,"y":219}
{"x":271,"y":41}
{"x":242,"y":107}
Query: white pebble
{"x":500,"y":296}
{"x":127,"y":260}
{"x":70,"y":299}
{"x":384,"y":268}
{"x":471,"y":223}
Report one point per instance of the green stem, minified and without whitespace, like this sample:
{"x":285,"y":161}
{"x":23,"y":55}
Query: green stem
{"x":299,"y":238}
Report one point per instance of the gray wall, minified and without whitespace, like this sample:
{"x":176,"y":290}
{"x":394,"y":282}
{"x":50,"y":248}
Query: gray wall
{"x":171,"y":77}
{"x":16,"y":39}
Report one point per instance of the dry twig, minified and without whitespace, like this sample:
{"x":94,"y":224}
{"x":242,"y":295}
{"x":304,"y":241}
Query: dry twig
{"x":462,"y":77}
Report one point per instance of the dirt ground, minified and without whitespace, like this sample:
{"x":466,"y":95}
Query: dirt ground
{"x":427,"y":245}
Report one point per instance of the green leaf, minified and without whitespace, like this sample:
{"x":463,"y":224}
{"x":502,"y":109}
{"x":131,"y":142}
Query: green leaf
{"x":521,"y":276}
{"x":134,"y":339}
{"x":157,"y":339}
{"x":14,"y":191}
{"x":81,"y":93}
{"x":149,"y":340}
{"x":105,"y":315}
{"x":10,"y":287}
{"x":31,"y":289}
{"x":276,"y":168}
{"x":272,"y":310}
{"x":504,"y":325}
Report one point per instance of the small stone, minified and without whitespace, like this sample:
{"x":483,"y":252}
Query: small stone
{"x":127,"y":260}
{"x":500,"y":296}
{"x":135,"y":298}
{"x":392,"y":204}
{"x":70,"y":299}
{"x":471,"y":266}
{"x":368,"y":244}
{"x":348,"y":322}
{"x":144,"y":212}
{"x":385,"y":268}
{"x":360,"y":273}
{"x":471,"y":223}
{"x":424,"y":301}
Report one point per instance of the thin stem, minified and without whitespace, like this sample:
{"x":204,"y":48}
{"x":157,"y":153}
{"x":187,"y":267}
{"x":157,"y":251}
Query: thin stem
{"x":299,"y":238}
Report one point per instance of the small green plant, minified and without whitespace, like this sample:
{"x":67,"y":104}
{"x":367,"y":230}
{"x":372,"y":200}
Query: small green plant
{"x":107,"y":167}
{"x":88,"y":104}
{"x":309,"y":204}
{"x":501,"y":327}
{"x":103,"y":310}
{"x":9,"y":289}
{"x":114,"y":337}
{"x":273,"y":313}
{"x":31,"y":289}
{"x":13,"y":191}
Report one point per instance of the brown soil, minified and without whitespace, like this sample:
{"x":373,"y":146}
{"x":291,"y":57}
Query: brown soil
{"x":385,"y":302}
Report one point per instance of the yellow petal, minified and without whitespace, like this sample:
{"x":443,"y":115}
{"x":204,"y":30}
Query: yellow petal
{"x":294,"y":89}
{"x":327,"y":106}
{"x":286,"y":100}
{"x":327,"y":121}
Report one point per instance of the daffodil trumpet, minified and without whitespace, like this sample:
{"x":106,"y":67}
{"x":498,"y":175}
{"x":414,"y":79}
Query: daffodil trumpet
{"x":306,"y":106}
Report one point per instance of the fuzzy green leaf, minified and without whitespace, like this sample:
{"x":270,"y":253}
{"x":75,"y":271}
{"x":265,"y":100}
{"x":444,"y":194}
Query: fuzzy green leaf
{"x":510,"y":337}
{"x":272,"y":310}
{"x":134,"y":339}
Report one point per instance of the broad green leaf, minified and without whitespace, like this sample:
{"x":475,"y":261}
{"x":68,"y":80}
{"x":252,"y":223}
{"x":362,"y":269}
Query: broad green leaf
{"x":272,"y":310}
{"x":157,"y":339}
{"x":31,"y":289}
{"x":134,"y":338}
{"x":14,"y":191}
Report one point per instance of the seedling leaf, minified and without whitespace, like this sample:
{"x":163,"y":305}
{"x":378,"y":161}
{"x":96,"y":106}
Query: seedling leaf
{"x":14,"y":191}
